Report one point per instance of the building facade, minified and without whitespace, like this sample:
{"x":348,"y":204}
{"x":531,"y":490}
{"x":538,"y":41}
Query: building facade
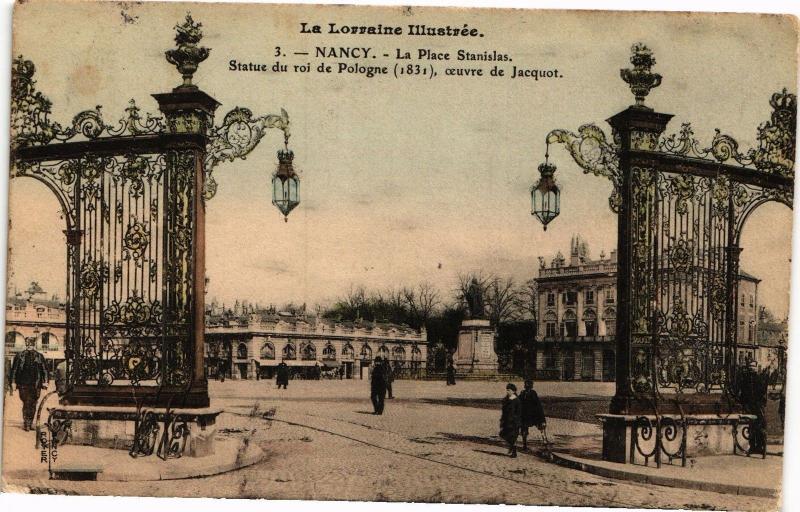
{"x":252,"y":347}
{"x":577,"y":316}
{"x":32,"y":315}
{"x":245,"y":345}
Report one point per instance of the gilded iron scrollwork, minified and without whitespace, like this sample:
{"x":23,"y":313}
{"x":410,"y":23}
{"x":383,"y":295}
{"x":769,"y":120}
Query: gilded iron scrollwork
{"x":590,"y":149}
{"x":135,"y":241}
{"x":30,"y":115}
{"x":776,"y":141}
{"x":238,"y":135}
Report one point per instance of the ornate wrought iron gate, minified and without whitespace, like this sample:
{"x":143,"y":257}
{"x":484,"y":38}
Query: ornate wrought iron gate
{"x":682,"y":207}
{"x":133,"y":201}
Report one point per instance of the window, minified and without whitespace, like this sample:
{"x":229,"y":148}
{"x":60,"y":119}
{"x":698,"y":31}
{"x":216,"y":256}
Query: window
{"x":383,"y":352}
{"x":289,"y":351}
{"x":609,"y":296}
{"x":752,"y":301}
{"x":241,"y":351}
{"x":399,"y":353}
{"x":570,"y":298}
{"x":416,"y":354}
{"x":590,"y":322}
{"x":308,"y":352}
{"x":45,"y":341}
{"x":366,"y":352}
{"x":569,"y":327}
{"x":329,"y":352}
{"x":267,"y":351}
{"x":11,"y":339}
{"x":611,"y":327}
{"x":347,"y":351}
{"x":742,"y":301}
{"x":550,"y":329}
{"x":551,"y":299}
{"x":588,"y":295}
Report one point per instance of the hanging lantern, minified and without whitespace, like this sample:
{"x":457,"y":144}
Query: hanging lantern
{"x":285,"y":184}
{"x":545,"y":195}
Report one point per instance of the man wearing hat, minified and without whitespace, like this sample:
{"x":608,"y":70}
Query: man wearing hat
{"x":378,"y":386}
{"x":29,"y":374}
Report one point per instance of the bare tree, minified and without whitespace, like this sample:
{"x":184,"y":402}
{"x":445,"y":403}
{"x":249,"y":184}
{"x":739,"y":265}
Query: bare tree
{"x":502,"y":300}
{"x":424,"y":302}
{"x":355,"y":299}
{"x":528,"y":299}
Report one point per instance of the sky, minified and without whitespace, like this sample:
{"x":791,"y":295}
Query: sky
{"x":404,"y":180}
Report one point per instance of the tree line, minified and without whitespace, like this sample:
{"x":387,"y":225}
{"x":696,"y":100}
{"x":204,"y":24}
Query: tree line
{"x":510,"y":306}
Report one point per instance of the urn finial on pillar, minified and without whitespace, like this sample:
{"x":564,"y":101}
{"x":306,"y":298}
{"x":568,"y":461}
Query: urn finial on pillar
{"x":640,"y":79}
{"x":187,"y":56}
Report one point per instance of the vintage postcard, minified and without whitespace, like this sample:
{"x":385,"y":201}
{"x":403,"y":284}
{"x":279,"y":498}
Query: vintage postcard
{"x":407,"y":254}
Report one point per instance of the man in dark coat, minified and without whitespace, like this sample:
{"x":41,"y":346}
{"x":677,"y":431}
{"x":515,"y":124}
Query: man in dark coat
{"x":29,"y":374}
{"x":388,"y":374}
{"x":282,"y":375}
{"x":532,"y":412}
{"x":221,"y":370}
{"x":378,"y":386}
{"x":753,"y":397}
{"x":510,"y":419}
{"x":451,"y":374}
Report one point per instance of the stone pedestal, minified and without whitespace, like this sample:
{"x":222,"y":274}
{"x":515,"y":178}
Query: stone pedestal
{"x":649,"y":440}
{"x":475,"y":352}
{"x":189,"y":431}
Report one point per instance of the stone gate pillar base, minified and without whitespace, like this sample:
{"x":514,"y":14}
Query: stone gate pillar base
{"x":189,"y":432}
{"x":648,"y":439}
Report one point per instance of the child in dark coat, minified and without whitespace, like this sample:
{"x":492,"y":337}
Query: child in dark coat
{"x":511,"y":419}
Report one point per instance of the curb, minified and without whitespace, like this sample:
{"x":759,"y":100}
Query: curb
{"x":620,"y":474}
{"x":153,"y":473}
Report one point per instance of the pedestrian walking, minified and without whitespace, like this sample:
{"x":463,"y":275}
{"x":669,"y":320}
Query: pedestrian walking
{"x":451,"y":374}
{"x":388,"y":374}
{"x":29,"y":374}
{"x":752,"y":394}
{"x":282,"y":375}
{"x":378,"y":386}
{"x":510,"y":419}
{"x":221,"y":370}
{"x":532,"y":412}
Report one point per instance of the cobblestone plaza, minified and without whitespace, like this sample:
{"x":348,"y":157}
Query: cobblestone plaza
{"x":433,"y":444}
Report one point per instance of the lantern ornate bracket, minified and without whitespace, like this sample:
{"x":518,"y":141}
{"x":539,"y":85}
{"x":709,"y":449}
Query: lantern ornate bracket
{"x":592,"y":151}
{"x":596,"y":154}
{"x":236,"y":138}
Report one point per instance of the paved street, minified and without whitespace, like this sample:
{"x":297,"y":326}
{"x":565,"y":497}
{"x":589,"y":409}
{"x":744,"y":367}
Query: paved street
{"x":325,"y":444}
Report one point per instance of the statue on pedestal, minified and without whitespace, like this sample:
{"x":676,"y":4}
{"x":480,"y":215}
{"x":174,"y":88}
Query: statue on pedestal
{"x":474,"y":299}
